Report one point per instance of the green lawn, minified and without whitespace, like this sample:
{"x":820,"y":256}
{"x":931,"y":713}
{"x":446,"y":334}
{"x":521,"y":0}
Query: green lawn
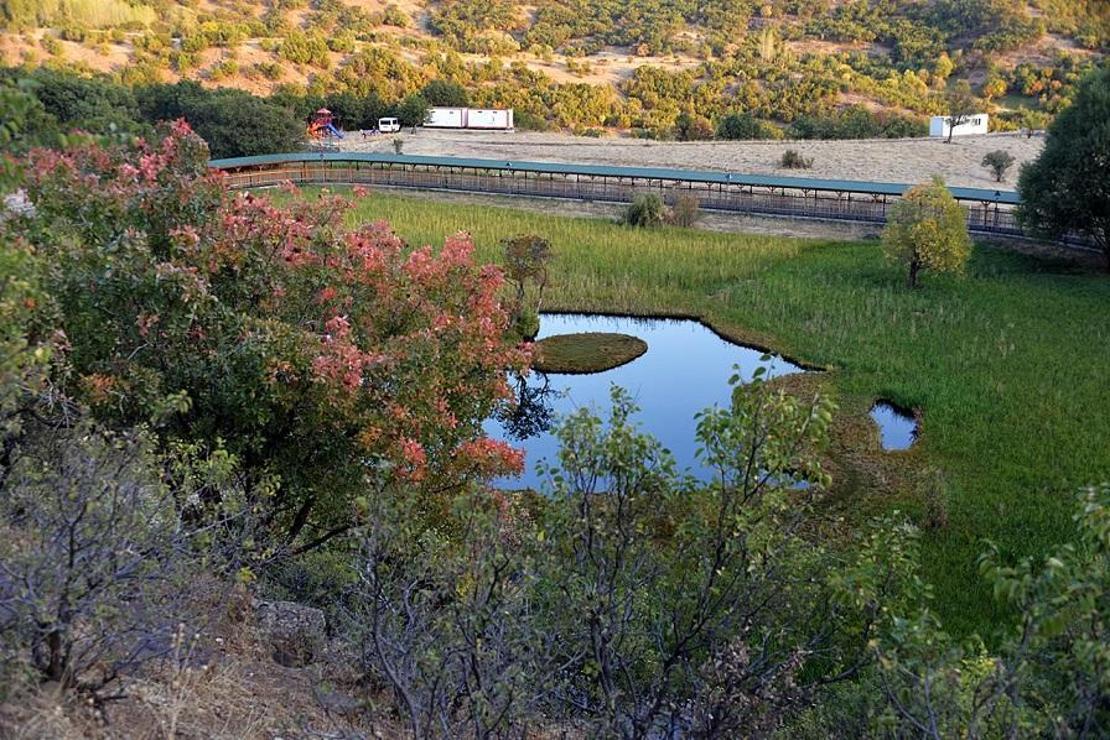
{"x":1010,"y":365}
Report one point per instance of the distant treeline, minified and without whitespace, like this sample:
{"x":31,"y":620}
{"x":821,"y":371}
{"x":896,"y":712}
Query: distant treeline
{"x":237,"y":123}
{"x":234,"y":122}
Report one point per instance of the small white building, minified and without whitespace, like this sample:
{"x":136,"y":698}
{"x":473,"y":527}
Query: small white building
{"x":470,"y":118}
{"x":976,"y":123}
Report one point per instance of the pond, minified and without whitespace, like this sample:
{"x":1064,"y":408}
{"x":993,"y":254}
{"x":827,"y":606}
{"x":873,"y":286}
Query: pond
{"x":685,"y":369}
{"x":897,"y":427}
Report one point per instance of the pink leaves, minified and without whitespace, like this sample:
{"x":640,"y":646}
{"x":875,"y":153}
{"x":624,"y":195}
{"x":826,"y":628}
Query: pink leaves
{"x":382,"y":349}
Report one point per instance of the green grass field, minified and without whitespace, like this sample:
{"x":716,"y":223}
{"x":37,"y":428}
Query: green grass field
{"x":1010,"y":365}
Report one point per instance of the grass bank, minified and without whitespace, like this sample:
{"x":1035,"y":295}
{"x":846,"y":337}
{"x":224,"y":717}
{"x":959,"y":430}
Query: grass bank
{"x":1010,"y":366}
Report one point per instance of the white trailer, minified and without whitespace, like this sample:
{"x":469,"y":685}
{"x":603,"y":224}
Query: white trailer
{"x":976,"y":123}
{"x":470,"y":118}
{"x":389,"y":125}
{"x":446,"y":118}
{"x":487,"y":118}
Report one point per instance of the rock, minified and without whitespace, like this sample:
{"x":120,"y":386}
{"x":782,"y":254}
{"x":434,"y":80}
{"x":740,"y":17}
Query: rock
{"x":296,"y":633}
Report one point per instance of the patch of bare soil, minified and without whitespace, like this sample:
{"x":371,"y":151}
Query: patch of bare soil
{"x":873,"y":160}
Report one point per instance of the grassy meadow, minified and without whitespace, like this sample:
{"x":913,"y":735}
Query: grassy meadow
{"x":1009,"y":366}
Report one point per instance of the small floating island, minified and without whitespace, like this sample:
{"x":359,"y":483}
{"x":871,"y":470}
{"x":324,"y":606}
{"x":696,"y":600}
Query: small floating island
{"x":586,"y":352}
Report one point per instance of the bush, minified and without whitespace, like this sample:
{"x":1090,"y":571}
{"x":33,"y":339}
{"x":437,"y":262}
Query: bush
{"x":234,"y":123}
{"x":646,"y":210}
{"x":998,"y":161}
{"x":685,"y":210}
{"x":792,"y":159}
{"x":226,"y":317}
{"x":739,"y":126}
{"x":97,"y":568}
{"x":690,"y":127}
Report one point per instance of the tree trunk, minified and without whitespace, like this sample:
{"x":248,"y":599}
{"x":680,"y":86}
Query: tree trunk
{"x":915,"y":268}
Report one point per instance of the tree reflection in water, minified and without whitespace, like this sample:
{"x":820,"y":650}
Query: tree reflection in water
{"x":532,"y":414}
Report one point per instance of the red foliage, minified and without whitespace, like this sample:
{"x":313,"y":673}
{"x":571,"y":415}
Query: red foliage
{"x":334,"y":358}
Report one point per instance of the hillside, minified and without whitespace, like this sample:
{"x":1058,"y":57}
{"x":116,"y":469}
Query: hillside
{"x":659,"y":68}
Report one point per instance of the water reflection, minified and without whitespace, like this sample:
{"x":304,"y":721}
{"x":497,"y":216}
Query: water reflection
{"x":534,"y":411}
{"x":685,"y":369}
{"x":897,"y":427}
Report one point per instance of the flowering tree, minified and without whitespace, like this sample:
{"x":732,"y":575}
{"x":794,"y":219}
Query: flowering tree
{"x":333,"y":363}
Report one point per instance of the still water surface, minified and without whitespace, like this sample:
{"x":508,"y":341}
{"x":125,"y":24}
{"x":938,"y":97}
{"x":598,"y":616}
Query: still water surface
{"x":685,"y":369}
{"x":897,"y":428}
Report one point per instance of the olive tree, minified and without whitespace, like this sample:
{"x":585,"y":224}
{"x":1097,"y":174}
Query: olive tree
{"x":998,"y":161}
{"x":1067,"y":188}
{"x":927,"y":230}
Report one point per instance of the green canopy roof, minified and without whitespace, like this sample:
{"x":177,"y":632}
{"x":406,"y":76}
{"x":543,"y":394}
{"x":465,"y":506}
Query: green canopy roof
{"x":598,"y":170}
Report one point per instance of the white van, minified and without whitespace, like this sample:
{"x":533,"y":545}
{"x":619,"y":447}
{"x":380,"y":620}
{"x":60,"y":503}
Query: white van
{"x":389,"y":125}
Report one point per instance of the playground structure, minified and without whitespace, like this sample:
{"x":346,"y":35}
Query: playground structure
{"x":322,"y":125}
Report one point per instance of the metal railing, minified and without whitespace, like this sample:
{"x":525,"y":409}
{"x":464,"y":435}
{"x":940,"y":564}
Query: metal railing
{"x":983,"y":217}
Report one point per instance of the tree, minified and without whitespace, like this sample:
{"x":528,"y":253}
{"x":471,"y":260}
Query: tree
{"x":961,"y":105}
{"x":412,"y":111}
{"x":737,"y":126}
{"x":998,"y":161}
{"x":445,"y":93}
{"x":1067,"y":188}
{"x":692,"y":127}
{"x":336,"y":364}
{"x":234,"y":123}
{"x":633,"y":602}
{"x":526,"y":260}
{"x":927,"y":230}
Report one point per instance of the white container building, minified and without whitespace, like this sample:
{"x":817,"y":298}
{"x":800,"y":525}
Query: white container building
{"x":470,"y":118}
{"x":446,"y":118}
{"x":976,"y":123}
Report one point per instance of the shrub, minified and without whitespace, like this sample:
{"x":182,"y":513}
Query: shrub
{"x":998,"y":161}
{"x":445,"y":93}
{"x":234,"y":123}
{"x":259,"y":325}
{"x":594,"y":607}
{"x":927,"y":230}
{"x":97,"y":568}
{"x":646,"y":210}
{"x":743,"y":126}
{"x":792,"y":159}
{"x":685,"y":210}
{"x":394,"y":16}
{"x":690,"y":127}
{"x":398,"y":145}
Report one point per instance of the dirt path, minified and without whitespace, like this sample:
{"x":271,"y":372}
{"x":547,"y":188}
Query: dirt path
{"x":876,"y":160}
